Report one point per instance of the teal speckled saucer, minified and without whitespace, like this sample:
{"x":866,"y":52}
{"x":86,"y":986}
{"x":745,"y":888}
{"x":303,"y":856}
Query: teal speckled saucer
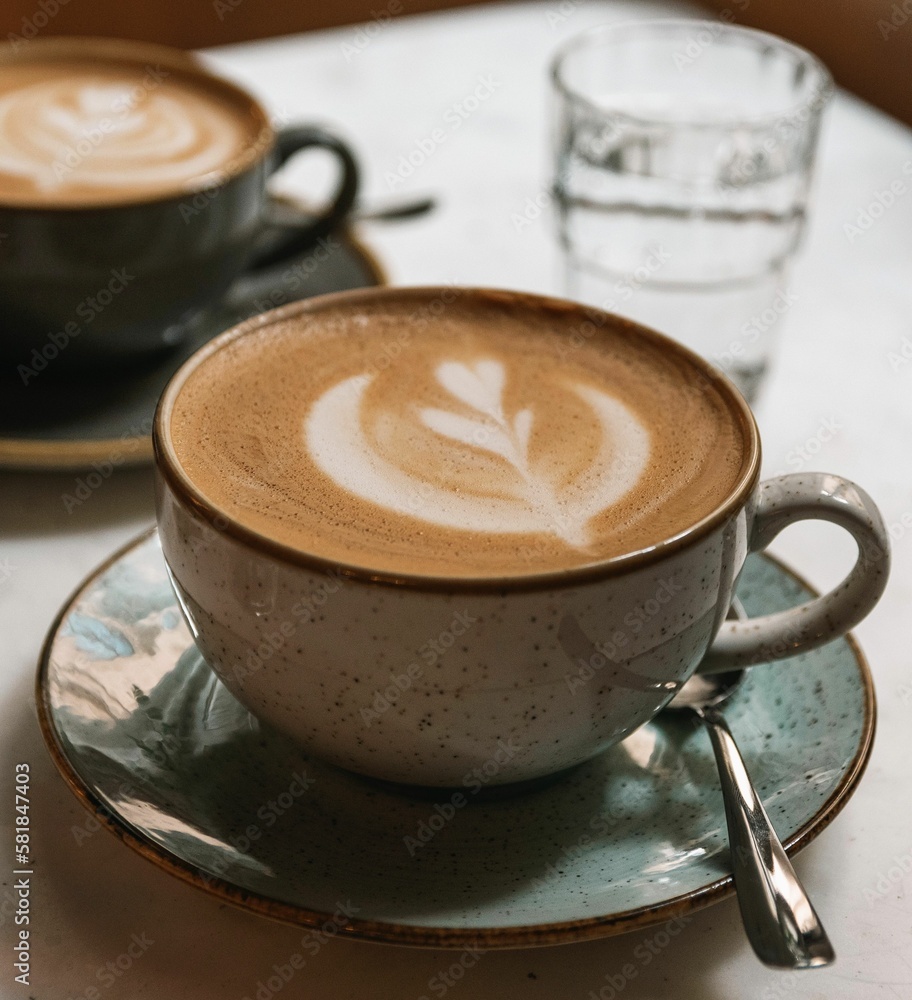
{"x":151,"y":742}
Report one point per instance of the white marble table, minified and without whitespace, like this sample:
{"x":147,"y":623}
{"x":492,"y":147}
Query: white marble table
{"x":845,"y":358}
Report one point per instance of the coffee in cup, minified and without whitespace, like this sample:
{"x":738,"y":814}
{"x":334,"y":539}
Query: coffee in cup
{"x":485,"y":436}
{"x":77,"y":131}
{"x":132,"y":193}
{"x":428,"y":532}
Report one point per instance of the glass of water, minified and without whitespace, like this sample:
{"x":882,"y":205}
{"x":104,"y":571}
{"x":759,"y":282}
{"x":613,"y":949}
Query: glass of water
{"x":684,"y":152}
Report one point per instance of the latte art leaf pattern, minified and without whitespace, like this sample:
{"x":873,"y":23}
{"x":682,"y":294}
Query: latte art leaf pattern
{"x":59,"y":134}
{"x":337,"y":439}
{"x":481,"y":388}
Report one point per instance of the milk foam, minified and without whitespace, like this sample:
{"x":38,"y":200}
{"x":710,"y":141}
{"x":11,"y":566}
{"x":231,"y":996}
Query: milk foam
{"x":90,"y":134}
{"x":482,"y":440}
{"x":534,"y":502}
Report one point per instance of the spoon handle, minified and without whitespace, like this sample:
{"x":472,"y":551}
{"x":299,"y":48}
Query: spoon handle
{"x":781,"y":924}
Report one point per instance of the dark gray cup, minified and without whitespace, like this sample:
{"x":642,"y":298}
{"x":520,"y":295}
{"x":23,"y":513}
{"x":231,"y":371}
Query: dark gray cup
{"x":104,"y":285}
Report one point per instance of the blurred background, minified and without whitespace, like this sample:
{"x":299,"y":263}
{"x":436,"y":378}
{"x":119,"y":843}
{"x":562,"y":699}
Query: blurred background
{"x":860,"y":40}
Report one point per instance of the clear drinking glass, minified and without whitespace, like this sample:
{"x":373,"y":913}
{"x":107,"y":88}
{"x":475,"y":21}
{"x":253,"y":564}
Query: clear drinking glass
{"x":684,"y":152}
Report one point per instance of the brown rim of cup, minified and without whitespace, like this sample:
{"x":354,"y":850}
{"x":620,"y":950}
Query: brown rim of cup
{"x":168,"y":465}
{"x":179,"y":60}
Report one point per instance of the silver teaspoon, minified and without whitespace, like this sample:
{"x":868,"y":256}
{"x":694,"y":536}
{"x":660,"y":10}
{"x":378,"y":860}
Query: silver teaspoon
{"x":286,"y":211}
{"x":395,"y":211}
{"x":781,"y":924}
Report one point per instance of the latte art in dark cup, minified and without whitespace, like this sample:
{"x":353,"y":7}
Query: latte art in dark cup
{"x":492,"y":442}
{"x":127,"y":158}
{"x":90,"y":132}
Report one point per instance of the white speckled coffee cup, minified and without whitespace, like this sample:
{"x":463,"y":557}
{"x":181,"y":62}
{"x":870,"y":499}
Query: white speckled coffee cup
{"x":474,"y":682}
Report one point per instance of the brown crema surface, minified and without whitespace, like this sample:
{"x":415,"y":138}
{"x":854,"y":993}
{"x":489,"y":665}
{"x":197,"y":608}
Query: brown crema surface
{"x":484,"y":438}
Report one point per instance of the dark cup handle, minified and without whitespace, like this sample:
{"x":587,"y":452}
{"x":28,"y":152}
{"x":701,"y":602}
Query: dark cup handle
{"x":281,"y":241}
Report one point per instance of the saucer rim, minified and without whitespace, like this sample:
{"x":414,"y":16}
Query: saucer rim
{"x":389,"y":932}
{"x":62,"y":455}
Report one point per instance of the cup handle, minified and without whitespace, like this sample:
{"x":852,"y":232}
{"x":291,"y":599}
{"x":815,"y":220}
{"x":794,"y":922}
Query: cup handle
{"x":281,"y":241}
{"x":781,"y":502}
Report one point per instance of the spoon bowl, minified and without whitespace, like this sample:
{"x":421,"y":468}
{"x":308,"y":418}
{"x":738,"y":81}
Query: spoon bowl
{"x":779,"y":919}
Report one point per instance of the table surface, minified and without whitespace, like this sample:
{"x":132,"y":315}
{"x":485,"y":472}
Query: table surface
{"x":839,"y":398}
